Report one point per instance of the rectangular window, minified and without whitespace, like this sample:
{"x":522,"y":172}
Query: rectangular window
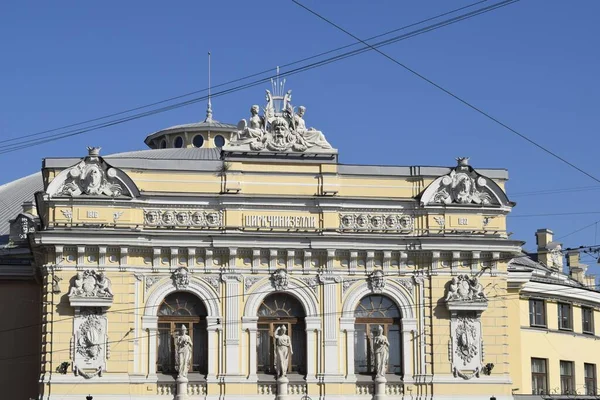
{"x":539,"y":376}
{"x":565,"y":316}
{"x":537,"y":312}
{"x":587,"y":316}
{"x":567,"y":384}
{"x":590,"y":379}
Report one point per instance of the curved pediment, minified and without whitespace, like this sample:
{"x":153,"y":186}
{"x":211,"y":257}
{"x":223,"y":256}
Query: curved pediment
{"x":464,"y":186}
{"x":92,"y":176}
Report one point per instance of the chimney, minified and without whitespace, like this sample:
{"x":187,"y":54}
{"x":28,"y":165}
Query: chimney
{"x":29,"y":207}
{"x":590,"y":281}
{"x":543,"y":237}
{"x":576,"y":268}
{"x":549,"y":252}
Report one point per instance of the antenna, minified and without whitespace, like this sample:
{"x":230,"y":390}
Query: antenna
{"x":209,"y":105}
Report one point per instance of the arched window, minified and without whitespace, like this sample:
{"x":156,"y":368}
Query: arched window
{"x":276,"y":310}
{"x":177,"y":309}
{"x":178,"y":142}
{"x":371,"y":312}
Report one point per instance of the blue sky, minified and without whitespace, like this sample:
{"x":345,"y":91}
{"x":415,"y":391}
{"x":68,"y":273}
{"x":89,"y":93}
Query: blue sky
{"x":532,"y":64}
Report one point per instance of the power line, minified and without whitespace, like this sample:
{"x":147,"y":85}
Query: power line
{"x":389,"y":274}
{"x":451,"y":94}
{"x":33,"y":142}
{"x":498,"y":297}
{"x":238,"y":79}
{"x":553,"y":214}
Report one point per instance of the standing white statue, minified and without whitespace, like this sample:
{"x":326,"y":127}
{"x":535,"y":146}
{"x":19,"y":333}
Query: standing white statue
{"x":283,"y":351}
{"x":183,"y":346}
{"x":381,"y":348}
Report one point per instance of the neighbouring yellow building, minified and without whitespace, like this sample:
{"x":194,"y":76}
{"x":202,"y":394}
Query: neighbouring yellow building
{"x":391,"y":282}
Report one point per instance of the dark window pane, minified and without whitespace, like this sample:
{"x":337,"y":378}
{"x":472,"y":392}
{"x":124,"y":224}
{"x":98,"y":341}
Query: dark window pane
{"x":182,"y":304}
{"x":198,"y":141}
{"x":377,"y":306}
{"x":566,"y":377}
{"x":590,"y":379}
{"x":539,"y":377}
{"x":219,"y":141}
{"x":178,"y":142}
{"x":281,"y":305}
{"x":360,"y":348}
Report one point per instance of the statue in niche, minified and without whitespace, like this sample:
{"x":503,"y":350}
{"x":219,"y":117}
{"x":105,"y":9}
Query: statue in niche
{"x":283,"y":351}
{"x":381,"y":349}
{"x":252,"y":130}
{"x":311,"y":137}
{"x":183,"y":348}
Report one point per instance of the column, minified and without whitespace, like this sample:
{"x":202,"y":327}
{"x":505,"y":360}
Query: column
{"x":347,"y":326}
{"x":408,"y":370}
{"x":232,"y":327}
{"x":330,"y":329}
{"x":150,"y":325}
{"x":213,"y":348}
{"x":312,"y":324}
{"x":249,"y":324}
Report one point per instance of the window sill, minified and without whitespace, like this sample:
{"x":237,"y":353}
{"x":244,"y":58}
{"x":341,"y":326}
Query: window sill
{"x":539,"y":326}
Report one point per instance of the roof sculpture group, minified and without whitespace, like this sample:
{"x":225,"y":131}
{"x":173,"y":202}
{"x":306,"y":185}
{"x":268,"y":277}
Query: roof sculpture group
{"x":280,"y":129}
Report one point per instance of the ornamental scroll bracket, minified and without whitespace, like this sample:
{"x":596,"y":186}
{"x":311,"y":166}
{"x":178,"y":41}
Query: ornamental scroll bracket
{"x":466,"y":302}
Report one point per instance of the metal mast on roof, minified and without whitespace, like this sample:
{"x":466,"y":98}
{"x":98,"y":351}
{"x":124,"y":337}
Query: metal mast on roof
{"x":209,"y":105}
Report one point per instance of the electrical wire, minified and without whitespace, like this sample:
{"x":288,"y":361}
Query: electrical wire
{"x":389,"y":274}
{"x":222,"y":324}
{"x":451,"y":94}
{"x":35,"y":142}
{"x":270,"y":70}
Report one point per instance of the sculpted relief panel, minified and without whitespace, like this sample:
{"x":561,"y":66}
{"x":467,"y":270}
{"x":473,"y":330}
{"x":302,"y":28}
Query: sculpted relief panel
{"x":90,"y":177}
{"x":464,"y":186}
{"x":376,"y":222}
{"x":466,"y":301}
{"x":90,"y":343}
{"x":192,"y":218}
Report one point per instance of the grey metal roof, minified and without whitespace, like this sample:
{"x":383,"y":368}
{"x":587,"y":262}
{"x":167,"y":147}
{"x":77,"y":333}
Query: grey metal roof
{"x":14,"y":194}
{"x":171,"y":154}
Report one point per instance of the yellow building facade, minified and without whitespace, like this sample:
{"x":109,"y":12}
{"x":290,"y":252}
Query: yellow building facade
{"x":237,"y":232}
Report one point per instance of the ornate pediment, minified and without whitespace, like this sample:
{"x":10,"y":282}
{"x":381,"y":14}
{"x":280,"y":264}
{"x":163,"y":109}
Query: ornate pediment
{"x":92,"y":176}
{"x":281,"y":128}
{"x":464,"y":186}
